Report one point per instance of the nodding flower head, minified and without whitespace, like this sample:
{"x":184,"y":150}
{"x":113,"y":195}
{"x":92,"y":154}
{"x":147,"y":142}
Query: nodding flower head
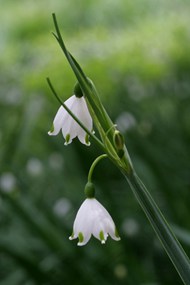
{"x":70,"y":128}
{"x":93,"y":219}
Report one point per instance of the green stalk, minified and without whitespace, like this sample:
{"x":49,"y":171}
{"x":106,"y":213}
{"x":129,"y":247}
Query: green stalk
{"x":86,"y":85}
{"x":100,"y":117}
{"x":96,"y":161}
{"x":147,"y":203}
{"x":169,"y":241}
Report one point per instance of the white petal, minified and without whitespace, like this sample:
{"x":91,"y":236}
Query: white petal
{"x":61,"y":116}
{"x":99,"y":231}
{"x":104,"y":223}
{"x":84,"y":114}
{"x":58,"y":121}
{"x":83,"y":137}
{"x":111,"y":230}
{"x":83,"y":218}
{"x":83,"y":241}
{"x":69,"y":128}
{"x":82,"y":223}
{"x":70,"y":101}
{"x":86,"y":239}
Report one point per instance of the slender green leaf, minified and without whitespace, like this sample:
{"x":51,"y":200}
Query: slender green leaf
{"x":150,"y":208}
{"x":161,"y":227}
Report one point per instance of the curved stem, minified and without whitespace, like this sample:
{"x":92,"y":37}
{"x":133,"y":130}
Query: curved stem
{"x":94,"y":165}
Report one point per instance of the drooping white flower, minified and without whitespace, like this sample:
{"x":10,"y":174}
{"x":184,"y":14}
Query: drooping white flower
{"x":93,"y":219}
{"x":70,"y":128}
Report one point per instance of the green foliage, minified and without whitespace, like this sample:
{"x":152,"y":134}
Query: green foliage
{"x":137,"y":53}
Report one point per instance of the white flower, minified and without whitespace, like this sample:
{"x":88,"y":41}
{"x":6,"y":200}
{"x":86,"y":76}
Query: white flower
{"x":70,"y":128}
{"x":93,"y":219}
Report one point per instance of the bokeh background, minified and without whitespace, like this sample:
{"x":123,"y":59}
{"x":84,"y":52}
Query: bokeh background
{"x":138,"y":55}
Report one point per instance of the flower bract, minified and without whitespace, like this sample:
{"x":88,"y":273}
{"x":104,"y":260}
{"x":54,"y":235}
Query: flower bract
{"x":93,"y":219}
{"x":70,"y":128}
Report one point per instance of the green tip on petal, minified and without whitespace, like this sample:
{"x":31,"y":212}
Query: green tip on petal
{"x":67,"y":138}
{"x":89,"y":190}
{"x":52,"y":129}
{"x":116,"y":234}
{"x":81,"y":237}
{"x":101,"y":235}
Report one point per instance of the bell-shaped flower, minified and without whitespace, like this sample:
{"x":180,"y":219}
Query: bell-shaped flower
{"x":70,"y":128}
{"x":93,"y":219}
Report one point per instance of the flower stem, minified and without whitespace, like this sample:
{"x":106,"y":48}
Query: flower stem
{"x":96,"y":161}
{"x":147,"y":203}
{"x":169,"y":241}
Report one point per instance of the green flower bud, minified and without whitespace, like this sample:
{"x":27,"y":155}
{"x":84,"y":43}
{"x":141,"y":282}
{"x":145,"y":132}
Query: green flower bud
{"x":119,"y":143}
{"x":89,"y":190}
{"x":77,"y":91}
{"x":118,"y":140}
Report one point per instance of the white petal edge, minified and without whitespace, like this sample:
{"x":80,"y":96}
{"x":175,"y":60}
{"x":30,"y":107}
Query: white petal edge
{"x":60,"y":116}
{"x":58,"y":121}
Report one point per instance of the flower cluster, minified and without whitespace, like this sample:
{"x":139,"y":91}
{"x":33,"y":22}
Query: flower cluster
{"x":92,"y":218}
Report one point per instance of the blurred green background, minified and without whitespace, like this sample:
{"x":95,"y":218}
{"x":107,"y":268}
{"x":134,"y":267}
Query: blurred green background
{"x":138,"y":55}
